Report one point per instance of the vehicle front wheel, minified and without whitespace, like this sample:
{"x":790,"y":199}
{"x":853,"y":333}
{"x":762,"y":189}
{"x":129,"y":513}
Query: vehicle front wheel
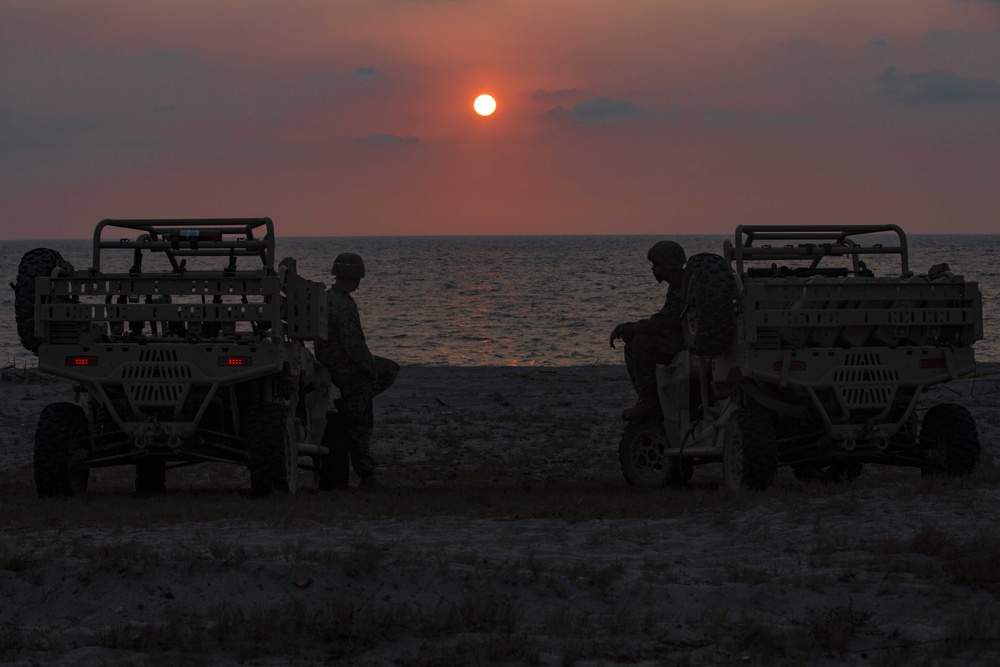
{"x":949,"y":438}
{"x":62,"y":444}
{"x":642,"y":458}
{"x":267,"y":442}
{"x":750,"y":451}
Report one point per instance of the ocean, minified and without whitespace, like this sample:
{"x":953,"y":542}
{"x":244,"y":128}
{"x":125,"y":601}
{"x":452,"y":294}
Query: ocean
{"x":515,"y":300}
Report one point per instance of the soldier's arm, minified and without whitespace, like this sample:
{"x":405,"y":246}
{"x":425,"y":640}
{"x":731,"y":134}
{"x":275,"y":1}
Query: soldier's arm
{"x":668,"y":319}
{"x":352,"y":338}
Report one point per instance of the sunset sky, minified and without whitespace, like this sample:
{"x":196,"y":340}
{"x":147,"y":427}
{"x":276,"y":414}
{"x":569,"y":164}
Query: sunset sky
{"x":354,"y":117}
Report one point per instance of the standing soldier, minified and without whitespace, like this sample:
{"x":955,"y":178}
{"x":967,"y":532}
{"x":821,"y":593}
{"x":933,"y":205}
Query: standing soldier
{"x":656,"y":339}
{"x":355,"y":370}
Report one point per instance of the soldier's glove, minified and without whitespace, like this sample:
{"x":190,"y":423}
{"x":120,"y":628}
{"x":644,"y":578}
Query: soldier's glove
{"x":623,"y":331}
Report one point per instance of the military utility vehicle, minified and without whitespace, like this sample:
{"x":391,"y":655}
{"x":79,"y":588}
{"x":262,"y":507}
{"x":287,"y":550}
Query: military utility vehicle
{"x":798,"y":355}
{"x":188,"y":340}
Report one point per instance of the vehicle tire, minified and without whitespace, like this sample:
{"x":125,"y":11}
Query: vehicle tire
{"x":949,"y":438}
{"x":267,"y":440}
{"x":750,"y":450}
{"x":841,"y":472}
{"x":151,"y":477}
{"x":62,"y":442}
{"x":641,"y":453}
{"x":36,"y":263}
{"x":709,"y":291}
{"x":333,"y":470}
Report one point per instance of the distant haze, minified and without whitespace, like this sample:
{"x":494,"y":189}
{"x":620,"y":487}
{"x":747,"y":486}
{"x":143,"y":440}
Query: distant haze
{"x":355,"y":117}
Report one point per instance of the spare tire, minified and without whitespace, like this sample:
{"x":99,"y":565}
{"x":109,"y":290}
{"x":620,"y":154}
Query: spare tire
{"x":710,"y":294}
{"x":39,"y":262}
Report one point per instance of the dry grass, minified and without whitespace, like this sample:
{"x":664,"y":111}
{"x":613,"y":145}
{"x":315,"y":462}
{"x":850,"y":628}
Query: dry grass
{"x":508,"y":536}
{"x":485,"y":622}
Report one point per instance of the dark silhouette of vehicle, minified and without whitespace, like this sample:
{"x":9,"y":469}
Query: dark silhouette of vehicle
{"x":798,"y":355}
{"x":201,"y":358}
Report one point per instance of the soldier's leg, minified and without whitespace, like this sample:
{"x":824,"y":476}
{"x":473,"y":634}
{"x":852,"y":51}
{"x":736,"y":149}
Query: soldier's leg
{"x":357,"y":411}
{"x":386,"y":371}
{"x":642,"y":354}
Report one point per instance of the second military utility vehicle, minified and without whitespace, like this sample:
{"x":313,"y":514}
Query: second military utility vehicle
{"x":799,"y":355}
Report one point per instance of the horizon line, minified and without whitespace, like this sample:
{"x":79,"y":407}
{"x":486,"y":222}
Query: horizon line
{"x":442,"y":236}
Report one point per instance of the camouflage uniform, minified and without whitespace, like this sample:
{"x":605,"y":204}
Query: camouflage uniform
{"x":654,"y":340}
{"x":357,"y":373}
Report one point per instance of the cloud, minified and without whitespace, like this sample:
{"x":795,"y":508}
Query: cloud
{"x":367,"y":74}
{"x":389,"y":140}
{"x":602,"y":109}
{"x":943,"y":35}
{"x":19,"y":132}
{"x":560,"y":94}
{"x":879,"y":44}
{"x":936,"y":88}
{"x":595,"y":112}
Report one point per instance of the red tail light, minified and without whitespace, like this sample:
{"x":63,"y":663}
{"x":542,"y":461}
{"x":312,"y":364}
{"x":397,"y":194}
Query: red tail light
{"x":81,"y":361}
{"x":936,"y":362}
{"x":236,"y":361}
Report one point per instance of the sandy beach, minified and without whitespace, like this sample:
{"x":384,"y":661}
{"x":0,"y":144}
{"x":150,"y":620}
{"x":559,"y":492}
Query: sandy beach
{"x":506,"y":535}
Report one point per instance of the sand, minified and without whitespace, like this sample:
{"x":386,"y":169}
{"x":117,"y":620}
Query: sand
{"x":507,"y":536}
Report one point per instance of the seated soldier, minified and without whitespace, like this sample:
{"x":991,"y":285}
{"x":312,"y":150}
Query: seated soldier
{"x":656,"y":339}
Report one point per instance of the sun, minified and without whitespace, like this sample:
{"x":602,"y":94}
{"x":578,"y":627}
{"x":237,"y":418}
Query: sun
{"x":485,"y":105}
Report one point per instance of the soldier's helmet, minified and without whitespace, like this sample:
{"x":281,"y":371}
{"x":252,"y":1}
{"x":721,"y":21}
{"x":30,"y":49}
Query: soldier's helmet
{"x":348,"y":265}
{"x":668,"y":254}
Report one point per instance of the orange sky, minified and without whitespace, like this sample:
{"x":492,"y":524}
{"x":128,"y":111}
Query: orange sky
{"x":355,"y":117}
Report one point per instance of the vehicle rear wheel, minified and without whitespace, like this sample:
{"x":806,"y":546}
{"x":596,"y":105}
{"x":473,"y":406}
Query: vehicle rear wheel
{"x":62,"y":444}
{"x":36,"y":263}
{"x":267,"y":442}
{"x":642,"y":458}
{"x":949,"y":438}
{"x":709,"y":291}
{"x":750,"y":450}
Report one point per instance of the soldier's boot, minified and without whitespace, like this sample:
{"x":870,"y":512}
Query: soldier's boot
{"x":644,"y":406}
